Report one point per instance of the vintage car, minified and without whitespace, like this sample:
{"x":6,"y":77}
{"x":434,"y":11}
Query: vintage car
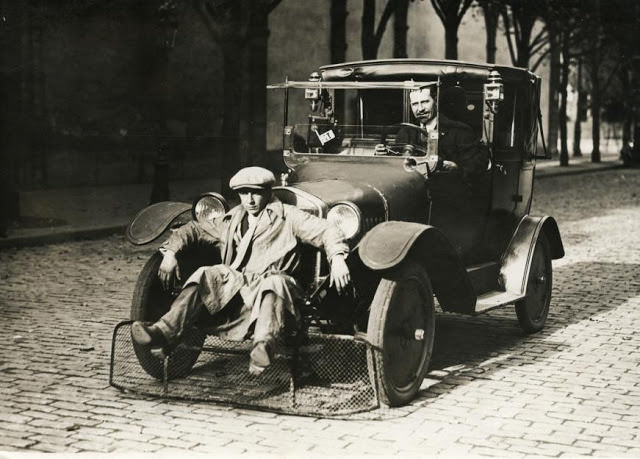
{"x":417,"y":233}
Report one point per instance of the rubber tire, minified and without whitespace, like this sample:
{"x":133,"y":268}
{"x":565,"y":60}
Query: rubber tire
{"x":532,"y":311}
{"x":150,"y":302}
{"x":406,"y":290}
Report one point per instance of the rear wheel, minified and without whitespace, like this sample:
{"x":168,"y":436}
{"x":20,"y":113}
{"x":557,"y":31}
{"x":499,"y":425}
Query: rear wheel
{"x":150,"y":302}
{"x":402,"y":326}
{"x":532,"y":311}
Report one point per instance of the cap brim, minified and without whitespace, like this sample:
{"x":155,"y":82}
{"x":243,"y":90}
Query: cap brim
{"x":250,"y":187}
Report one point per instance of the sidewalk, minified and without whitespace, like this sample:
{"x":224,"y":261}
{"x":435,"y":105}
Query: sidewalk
{"x":49,"y":216}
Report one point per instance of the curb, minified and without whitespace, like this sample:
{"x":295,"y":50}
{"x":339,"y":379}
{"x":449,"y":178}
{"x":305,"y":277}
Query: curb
{"x":62,"y":236}
{"x":567,"y":170}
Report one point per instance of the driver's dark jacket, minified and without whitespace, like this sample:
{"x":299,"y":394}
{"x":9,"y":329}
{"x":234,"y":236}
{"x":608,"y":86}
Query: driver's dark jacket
{"x":456,"y":142}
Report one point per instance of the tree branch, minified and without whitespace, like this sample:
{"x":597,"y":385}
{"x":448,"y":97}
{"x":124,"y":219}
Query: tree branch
{"x":439,"y":11}
{"x":540,"y":58}
{"x":463,"y":9}
{"x":389,"y":9}
{"x":507,"y":32}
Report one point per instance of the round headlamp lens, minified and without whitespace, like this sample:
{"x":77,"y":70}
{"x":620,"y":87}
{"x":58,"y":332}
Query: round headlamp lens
{"x":346,"y":218}
{"x":208,"y":208}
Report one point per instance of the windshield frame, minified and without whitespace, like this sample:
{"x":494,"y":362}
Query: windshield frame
{"x":406,"y":86}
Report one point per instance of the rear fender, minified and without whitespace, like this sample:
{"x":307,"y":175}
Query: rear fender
{"x":389,"y":243}
{"x":152,"y":221}
{"x":517,"y":258}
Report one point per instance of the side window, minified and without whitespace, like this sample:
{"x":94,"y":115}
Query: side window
{"x":505,"y":123}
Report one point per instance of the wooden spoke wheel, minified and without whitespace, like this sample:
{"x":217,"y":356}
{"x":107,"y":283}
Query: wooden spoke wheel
{"x":532,"y":311}
{"x":150,"y":302}
{"x":402,"y":326}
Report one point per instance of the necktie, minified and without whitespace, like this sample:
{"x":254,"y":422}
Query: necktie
{"x":243,"y":246}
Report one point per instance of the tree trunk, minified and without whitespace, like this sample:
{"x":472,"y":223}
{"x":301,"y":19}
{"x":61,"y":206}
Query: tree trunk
{"x":627,"y":97}
{"x":577,"y":127}
{"x":524,"y":51}
{"x":595,"y":104}
{"x":400,"y":29}
{"x":12,"y":138}
{"x":564,"y":81}
{"x":369,"y":51}
{"x":554,"y":84}
{"x":161,"y":87}
{"x":577,"y":135}
{"x":490,"y":14}
{"x":230,"y":161}
{"x":255,"y":85}
{"x":451,"y":38}
{"x":338,"y":35}
{"x":338,"y":45}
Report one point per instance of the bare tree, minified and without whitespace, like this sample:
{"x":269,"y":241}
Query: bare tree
{"x":338,"y":35}
{"x":491,"y":13}
{"x":338,"y":44}
{"x":451,"y":13}
{"x":371,"y":35}
{"x":580,"y":108}
{"x":621,"y":27}
{"x":519,"y":18}
{"x":400,"y":29}
{"x":554,"y":83}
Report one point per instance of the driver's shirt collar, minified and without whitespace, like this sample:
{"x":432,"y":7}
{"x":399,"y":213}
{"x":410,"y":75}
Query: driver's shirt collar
{"x":431,"y":125}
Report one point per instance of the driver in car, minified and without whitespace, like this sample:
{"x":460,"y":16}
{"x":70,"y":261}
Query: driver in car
{"x":457,"y":145}
{"x":253,"y":293}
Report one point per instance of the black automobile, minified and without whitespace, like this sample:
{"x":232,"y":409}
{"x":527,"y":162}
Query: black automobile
{"x":416,"y":232}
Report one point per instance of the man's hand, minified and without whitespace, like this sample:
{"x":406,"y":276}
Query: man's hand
{"x":169,"y":270}
{"x":340,"y":276}
{"x":449,"y":166}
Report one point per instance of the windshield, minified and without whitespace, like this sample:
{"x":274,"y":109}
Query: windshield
{"x":375,"y":121}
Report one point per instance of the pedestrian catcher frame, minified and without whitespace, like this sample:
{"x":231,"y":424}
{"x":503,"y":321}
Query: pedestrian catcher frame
{"x":327,"y":376}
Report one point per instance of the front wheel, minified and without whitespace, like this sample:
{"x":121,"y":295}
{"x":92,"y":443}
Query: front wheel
{"x":532,"y":311}
{"x":150,"y":302}
{"x":401,"y":326}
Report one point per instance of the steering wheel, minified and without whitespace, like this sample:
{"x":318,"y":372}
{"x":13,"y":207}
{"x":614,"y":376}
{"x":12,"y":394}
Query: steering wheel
{"x":407,"y":149}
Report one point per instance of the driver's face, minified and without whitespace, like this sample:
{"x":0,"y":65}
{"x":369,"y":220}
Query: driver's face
{"x":423,"y":105}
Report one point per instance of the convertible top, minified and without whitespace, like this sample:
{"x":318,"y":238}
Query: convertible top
{"x":402,"y":69}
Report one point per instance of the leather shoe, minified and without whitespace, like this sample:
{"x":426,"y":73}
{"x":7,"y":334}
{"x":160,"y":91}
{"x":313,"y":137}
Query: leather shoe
{"x":147,"y":335}
{"x":260,"y":357}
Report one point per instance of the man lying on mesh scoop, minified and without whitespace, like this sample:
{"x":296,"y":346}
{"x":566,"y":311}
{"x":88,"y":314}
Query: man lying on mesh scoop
{"x":254,"y":293}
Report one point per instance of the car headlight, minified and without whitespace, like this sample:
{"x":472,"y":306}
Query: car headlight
{"x":209,"y":206}
{"x":345,"y":216}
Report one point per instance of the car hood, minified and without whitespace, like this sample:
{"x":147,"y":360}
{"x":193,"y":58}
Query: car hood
{"x":383,"y":190}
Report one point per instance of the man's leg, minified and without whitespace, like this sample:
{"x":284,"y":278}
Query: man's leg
{"x":268,"y":329}
{"x":185,"y":310}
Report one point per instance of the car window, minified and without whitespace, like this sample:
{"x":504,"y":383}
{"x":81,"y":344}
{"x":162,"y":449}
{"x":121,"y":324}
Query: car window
{"x":354,"y":121}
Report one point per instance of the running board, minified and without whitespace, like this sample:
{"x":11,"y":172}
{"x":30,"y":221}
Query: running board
{"x":494,"y":299}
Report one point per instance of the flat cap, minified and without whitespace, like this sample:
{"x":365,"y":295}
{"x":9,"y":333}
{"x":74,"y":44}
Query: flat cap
{"x":252,"y":177}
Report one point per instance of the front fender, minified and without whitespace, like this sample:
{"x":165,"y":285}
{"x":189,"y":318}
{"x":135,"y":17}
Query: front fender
{"x":152,"y":221}
{"x":517,"y":258}
{"x":389,"y":243}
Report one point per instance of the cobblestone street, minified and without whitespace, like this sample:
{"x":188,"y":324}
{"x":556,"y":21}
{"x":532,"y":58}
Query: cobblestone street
{"x":572,"y":389}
